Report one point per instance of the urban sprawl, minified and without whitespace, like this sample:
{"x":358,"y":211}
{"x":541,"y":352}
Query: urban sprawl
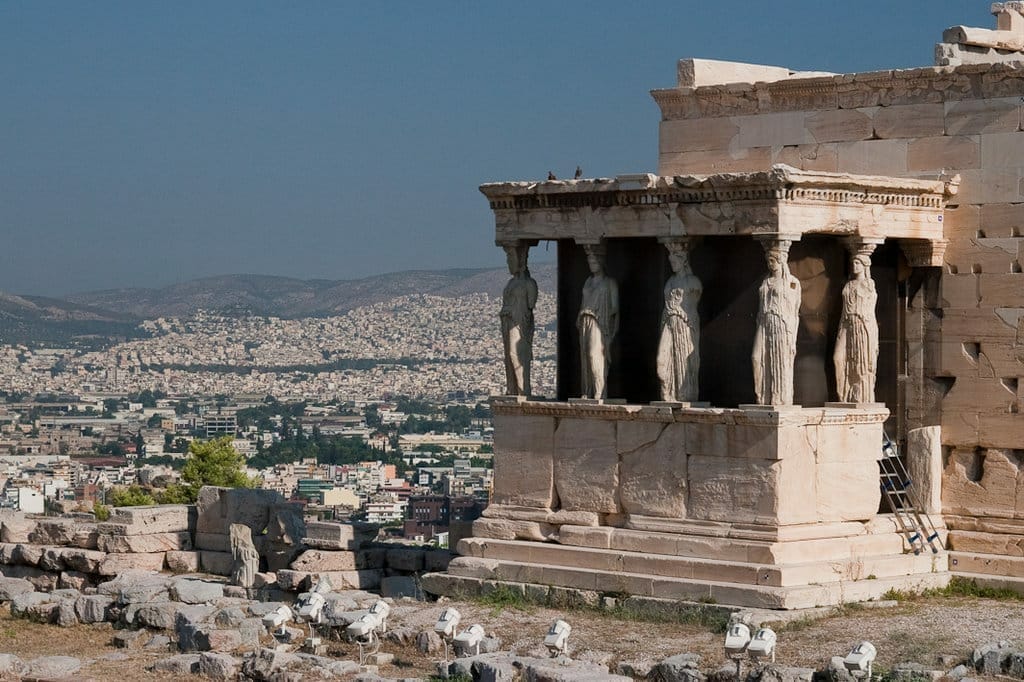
{"x":379,"y":414}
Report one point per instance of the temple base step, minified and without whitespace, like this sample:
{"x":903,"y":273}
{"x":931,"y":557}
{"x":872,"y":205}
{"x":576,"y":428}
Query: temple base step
{"x":701,"y":568}
{"x":997,"y":582}
{"x":991,"y":565}
{"x":466,"y":581}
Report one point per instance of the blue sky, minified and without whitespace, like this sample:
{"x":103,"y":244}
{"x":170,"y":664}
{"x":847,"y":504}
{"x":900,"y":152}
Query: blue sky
{"x":145,"y":143}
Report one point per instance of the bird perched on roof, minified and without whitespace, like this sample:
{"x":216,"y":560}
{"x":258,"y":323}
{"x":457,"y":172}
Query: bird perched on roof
{"x":552,"y":176}
{"x":579,"y":173}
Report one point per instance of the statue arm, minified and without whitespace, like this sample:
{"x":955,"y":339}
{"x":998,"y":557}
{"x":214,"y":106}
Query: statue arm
{"x":531,"y":293}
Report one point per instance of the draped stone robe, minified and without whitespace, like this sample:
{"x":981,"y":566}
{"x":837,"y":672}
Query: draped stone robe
{"x":778,"y":319}
{"x":597,"y":322}
{"x":517,"y":327}
{"x":856,"y":353}
{"x":679,"y":346}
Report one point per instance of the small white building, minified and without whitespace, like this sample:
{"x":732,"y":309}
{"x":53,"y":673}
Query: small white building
{"x":30,"y":501}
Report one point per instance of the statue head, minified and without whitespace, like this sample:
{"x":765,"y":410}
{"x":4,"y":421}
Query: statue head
{"x":678,"y":257}
{"x":515,"y":256}
{"x":861,"y":265}
{"x":595,"y":258}
{"x":777,"y":255}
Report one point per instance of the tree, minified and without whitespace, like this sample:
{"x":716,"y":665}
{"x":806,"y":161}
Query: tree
{"x":176,"y":493}
{"x":132,"y":496}
{"x":215,"y":462}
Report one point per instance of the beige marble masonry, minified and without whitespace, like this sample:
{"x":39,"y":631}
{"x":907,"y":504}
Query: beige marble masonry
{"x":524,"y":474}
{"x":759,"y":466}
{"x":964,"y":118}
{"x":652,"y":468}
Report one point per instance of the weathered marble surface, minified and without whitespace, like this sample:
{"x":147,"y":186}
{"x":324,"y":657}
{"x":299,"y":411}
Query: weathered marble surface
{"x":246,"y":560}
{"x":778,"y":318}
{"x":678,"y":360}
{"x":517,"y":327}
{"x":856,"y":352}
{"x":597,"y":323}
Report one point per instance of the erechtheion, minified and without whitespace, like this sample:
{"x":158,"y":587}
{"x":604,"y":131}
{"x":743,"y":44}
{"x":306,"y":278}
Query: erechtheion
{"x":820,"y":260}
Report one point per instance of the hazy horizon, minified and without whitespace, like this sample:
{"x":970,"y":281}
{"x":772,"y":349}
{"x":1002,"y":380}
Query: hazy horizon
{"x":145,"y":144}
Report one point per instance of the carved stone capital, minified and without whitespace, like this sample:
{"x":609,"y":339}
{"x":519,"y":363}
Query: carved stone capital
{"x":777,"y":242}
{"x":677,"y":244}
{"x":861,"y":246}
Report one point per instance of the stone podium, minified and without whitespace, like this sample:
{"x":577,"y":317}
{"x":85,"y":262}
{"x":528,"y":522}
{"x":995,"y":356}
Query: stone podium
{"x":753,"y":507}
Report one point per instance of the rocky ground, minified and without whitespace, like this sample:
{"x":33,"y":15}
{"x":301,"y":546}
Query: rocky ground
{"x":937,"y":633}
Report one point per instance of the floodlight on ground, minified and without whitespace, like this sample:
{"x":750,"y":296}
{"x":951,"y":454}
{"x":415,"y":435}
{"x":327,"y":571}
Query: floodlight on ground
{"x":557,"y":639}
{"x":381,"y":609}
{"x":446,"y":627}
{"x":467,"y":642}
{"x":364,"y":628}
{"x":762,"y":645}
{"x":311,"y":606}
{"x":365,"y":632}
{"x":311,"y":610}
{"x":860,"y":658}
{"x":736,"y":640}
{"x":275,"y":621}
{"x":448,"y":623}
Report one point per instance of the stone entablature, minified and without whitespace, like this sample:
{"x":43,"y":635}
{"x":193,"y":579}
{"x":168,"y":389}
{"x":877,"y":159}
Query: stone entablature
{"x":932,"y":84}
{"x":780,"y":201}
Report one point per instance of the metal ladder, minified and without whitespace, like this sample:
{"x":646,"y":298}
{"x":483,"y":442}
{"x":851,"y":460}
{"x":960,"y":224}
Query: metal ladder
{"x":915,"y":524}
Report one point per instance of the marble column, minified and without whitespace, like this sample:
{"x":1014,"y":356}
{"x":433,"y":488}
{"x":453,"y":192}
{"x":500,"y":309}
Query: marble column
{"x":597,"y":323}
{"x":517,"y":303}
{"x":856,"y":352}
{"x":778,"y":318}
{"x":678,"y":360}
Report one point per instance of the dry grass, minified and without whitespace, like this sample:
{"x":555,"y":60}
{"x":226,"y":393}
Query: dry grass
{"x":91,"y":644}
{"x":919,"y":630}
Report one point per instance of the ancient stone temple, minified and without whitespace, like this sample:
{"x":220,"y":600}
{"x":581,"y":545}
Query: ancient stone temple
{"x":819,"y":262}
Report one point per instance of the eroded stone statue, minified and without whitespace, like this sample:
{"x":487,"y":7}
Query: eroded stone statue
{"x":856,"y":353}
{"x":597,"y":322}
{"x":778,"y":318}
{"x":679,"y":346}
{"x":517,"y":302}
{"x":244,"y":555}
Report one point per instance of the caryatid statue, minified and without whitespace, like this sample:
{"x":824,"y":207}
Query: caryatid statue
{"x":517,"y":302}
{"x":597,"y":322}
{"x":778,"y":318}
{"x":679,"y":346}
{"x":856,"y":353}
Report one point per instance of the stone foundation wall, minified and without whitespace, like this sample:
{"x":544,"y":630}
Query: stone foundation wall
{"x":964,"y":329}
{"x":618,"y":465}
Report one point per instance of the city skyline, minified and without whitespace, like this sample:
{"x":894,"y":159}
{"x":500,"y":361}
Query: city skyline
{"x":146,"y":145}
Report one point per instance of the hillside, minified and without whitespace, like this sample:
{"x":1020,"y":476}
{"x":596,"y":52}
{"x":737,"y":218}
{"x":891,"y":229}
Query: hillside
{"x":46,"y":321}
{"x":294,"y":298}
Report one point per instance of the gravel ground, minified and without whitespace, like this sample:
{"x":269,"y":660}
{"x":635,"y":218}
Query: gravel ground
{"x":937,"y":631}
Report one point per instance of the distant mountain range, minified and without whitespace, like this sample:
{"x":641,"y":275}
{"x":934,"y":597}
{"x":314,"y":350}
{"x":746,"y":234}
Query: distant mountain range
{"x":89,"y":317}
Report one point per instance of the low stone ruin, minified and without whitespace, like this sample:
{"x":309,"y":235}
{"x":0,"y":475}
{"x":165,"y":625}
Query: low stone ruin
{"x":77,"y":552}
{"x":162,"y":574}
